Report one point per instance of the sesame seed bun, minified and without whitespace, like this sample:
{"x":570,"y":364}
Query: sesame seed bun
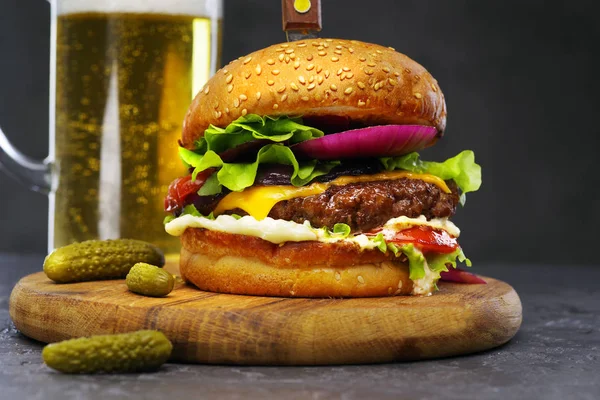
{"x":367,"y":83}
{"x":215,"y":261}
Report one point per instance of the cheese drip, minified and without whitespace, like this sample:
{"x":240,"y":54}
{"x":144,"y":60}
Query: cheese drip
{"x":258,"y":201}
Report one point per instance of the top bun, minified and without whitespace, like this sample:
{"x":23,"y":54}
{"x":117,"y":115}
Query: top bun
{"x":364,"y":82}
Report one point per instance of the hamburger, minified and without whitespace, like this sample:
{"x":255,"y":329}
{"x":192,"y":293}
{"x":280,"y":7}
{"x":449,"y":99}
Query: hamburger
{"x":305,"y":178}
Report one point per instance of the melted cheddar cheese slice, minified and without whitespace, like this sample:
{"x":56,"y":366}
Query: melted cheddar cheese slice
{"x":258,"y":201}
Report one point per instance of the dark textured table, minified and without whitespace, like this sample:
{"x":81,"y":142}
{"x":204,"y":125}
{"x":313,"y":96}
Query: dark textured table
{"x":555,"y":355}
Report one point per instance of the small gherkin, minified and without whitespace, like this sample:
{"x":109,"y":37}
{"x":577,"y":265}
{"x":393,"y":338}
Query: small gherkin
{"x":99,"y":259}
{"x":149,"y":280}
{"x":128,"y":352}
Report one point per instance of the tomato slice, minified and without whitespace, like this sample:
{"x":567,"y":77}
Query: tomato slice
{"x":181,"y":188}
{"x":426,"y":239}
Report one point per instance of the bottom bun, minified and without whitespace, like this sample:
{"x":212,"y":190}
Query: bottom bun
{"x":206,"y":263}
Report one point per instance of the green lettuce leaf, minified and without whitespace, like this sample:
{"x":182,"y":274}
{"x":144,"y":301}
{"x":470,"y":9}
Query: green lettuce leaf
{"x":343,"y":230}
{"x":251,"y":127}
{"x":238,"y":176}
{"x":190,"y":209}
{"x":460,"y":168}
{"x":416,"y":261}
{"x":438,"y":262}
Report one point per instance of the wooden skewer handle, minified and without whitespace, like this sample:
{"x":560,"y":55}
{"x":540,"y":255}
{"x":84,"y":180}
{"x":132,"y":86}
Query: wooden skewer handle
{"x":301,"y":15}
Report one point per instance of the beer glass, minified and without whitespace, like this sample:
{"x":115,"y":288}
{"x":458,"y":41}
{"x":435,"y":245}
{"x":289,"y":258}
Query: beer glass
{"x":123,"y":73}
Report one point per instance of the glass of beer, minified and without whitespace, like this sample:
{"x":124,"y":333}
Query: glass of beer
{"x":123,"y":73}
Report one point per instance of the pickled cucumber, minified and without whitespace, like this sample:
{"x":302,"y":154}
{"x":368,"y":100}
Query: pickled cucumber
{"x":127,"y":352}
{"x":99,"y":259}
{"x":149,"y":280}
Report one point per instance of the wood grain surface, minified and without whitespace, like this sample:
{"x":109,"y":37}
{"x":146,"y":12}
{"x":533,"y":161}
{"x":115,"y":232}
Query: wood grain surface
{"x":228,"y":329}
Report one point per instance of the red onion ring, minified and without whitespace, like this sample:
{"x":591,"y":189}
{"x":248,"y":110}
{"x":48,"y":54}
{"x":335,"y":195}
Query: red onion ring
{"x":460,"y":276}
{"x":373,"y":141}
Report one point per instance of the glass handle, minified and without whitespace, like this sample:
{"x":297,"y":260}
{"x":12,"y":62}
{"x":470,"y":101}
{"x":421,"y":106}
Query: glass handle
{"x":32,"y":173}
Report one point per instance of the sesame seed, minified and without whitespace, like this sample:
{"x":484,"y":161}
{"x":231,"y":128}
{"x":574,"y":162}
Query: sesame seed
{"x":226,"y":110}
{"x":281,"y":57}
{"x":275,"y":72}
{"x":243,"y":97}
{"x":302,"y":45}
{"x":326,"y":74}
{"x":351,"y":50}
{"x":301,"y":79}
{"x":338,"y":52}
{"x":258,"y":69}
{"x":338,"y":47}
{"x":418,"y":95}
{"x":284,"y":97}
{"x":311,"y":86}
{"x":294,"y":86}
{"x":229,"y":88}
{"x":244,"y":112}
{"x":329,"y":40}
{"x":377,"y":86}
{"x":293,"y":56}
{"x":396,"y":73}
{"x":270,"y":82}
{"x":320,"y":48}
{"x":287,"y":59}
{"x":361,"y":103}
{"x":236,"y":103}
{"x":248,"y":74}
{"x":216,"y":105}
{"x":433,"y":87}
{"x":362,"y":59}
{"x":311,"y":79}
{"x":304,"y":98}
{"x":270,"y":61}
{"x":279,"y":49}
{"x":318,"y":97}
{"x":247,"y":60}
{"x":400,"y":284}
{"x":335,"y":59}
{"x":407,"y":70}
{"x":343,"y":76}
{"x":257,"y":95}
{"x":361,"y":279}
{"x":289,"y":51}
{"x":285,"y":45}
{"x":361,"y":85}
{"x":281,"y":89}
{"x":333,"y":87}
{"x":348,"y":90}
{"x":369,"y":71}
{"x":275,"y":106}
{"x":346,"y":69}
{"x":371,"y":64}
{"x":322,"y":53}
{"x":315,"y":44}
{"x":218,"y":114}
{"x":392,"y":81}
{"x":380,"y":52}
{"x":337,"y":276}
{"x":339,"y":72}
{"x":229,"y":79}
{"x":310,"y":66}
{"x":391,"y":48}
{"x":309,"y":57}
{"x":319,"y":69}
{"x":320,"y":79}
{"x":224,"y":71}
{"x":349,"y":75}
{"x":386,"y":69}
{"x":206,"y":90}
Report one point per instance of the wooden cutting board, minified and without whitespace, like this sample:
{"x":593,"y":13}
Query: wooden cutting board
{"x":229,"y":329}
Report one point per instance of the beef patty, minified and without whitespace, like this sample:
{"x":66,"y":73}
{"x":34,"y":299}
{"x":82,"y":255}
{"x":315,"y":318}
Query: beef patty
{"x":367,"y":205}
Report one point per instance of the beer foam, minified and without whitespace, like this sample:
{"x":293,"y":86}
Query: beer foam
{"x":204,"y":8}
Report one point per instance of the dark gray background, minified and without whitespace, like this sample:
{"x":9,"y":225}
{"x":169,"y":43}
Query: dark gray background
{"x":520,"y":84}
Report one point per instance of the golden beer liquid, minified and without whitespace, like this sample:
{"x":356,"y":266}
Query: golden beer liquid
{"x":156,"y":63}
